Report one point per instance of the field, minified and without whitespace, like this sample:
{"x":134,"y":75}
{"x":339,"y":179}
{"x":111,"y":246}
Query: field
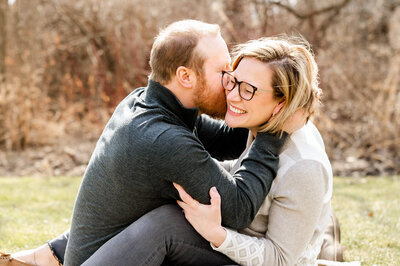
{"x":34,"y":210}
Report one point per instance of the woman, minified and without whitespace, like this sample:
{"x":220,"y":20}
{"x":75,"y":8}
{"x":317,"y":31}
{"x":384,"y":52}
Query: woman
{"x":272,"y":78}
{"x":288,"y":228}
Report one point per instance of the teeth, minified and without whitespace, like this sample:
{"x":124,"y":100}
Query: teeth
{"x":235,"y":110}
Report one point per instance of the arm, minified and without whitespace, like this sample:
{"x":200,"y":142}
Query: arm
{"x":293,"y":217}
{"x":221,"y":141}
{"x":181,"y":158}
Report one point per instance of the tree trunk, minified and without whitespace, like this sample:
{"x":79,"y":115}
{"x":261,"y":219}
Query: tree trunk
{"x":3,"y":38}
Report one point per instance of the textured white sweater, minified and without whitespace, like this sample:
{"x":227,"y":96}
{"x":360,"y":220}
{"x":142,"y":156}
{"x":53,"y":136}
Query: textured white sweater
{"x":288,"y":228}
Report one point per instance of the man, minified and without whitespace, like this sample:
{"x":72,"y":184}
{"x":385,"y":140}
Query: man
{"x":155,"y":137}
{"x":149,"y":143}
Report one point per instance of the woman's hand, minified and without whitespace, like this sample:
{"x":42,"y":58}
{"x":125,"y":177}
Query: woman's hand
{"x":206,"y":219}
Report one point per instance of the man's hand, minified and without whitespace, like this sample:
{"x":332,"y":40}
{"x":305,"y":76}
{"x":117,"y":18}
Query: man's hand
{"x":205,"y":219}
{"x":296,"y":121}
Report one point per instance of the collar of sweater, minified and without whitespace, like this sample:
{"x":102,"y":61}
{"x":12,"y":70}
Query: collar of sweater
{"x":164,"y":97}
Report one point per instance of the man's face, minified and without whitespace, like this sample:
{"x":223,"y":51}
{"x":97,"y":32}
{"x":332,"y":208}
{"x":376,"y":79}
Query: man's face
{"x":209,"y":94}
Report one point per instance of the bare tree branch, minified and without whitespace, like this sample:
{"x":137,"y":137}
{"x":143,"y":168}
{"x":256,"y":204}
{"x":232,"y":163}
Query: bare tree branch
{"x":312,"y":13}
{"x":328,"y":22}
{"x":3,"y":42}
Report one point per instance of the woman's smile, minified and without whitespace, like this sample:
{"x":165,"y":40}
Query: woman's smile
{"x":235,"y":110}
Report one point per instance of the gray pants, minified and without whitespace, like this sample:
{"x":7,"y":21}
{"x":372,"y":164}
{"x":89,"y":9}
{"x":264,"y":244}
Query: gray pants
{"x":161,"y":237}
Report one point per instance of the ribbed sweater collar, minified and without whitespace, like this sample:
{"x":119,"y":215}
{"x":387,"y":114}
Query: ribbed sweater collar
{"x":164,"y":97}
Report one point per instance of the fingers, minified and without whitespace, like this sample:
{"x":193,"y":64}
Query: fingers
{"x":183,"y":205}
{"x":185,"y":209}
{"x":186,"y":198}
{"x":215,"y":198}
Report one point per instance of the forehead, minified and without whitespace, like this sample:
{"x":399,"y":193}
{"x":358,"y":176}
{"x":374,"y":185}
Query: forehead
{"x":254,"y":72}
{"x":214,"y":50}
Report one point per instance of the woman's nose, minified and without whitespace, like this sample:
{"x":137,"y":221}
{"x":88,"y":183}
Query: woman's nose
{"x":233,"y":95}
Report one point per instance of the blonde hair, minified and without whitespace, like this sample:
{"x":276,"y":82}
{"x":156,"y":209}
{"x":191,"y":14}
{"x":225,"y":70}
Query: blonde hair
{"x":175,"y":46}
{"x":294,"y":78}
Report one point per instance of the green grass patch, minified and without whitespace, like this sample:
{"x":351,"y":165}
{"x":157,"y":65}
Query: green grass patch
{"x":34,"y":210}
{"x":369,"y":215}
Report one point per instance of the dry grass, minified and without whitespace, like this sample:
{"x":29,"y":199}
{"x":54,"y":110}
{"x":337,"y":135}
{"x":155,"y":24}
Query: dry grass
{"x":70,"y":62}
{"x":21,"y":107}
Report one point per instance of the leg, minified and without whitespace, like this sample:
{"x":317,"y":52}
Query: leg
{"x":162,"y":235}
{"x":58,"y":246}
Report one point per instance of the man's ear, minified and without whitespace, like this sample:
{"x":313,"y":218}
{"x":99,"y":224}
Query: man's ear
{"x":185,"y":77}
{"x":278,"y":108}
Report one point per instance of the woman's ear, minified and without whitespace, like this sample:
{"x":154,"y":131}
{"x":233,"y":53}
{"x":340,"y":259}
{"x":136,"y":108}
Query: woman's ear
{"x":278,"y":108}
{"x":185,"y":77}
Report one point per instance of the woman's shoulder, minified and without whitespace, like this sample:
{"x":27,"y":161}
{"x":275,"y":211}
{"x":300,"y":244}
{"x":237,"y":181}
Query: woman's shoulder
{"x":303,"y":181}
{"x":302,"y":148}
{"x":301,"y":172}
{"x":305,"y":170}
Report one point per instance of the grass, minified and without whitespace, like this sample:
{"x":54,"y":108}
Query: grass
{"x":368,"y":210}
{"x":34,"y":210}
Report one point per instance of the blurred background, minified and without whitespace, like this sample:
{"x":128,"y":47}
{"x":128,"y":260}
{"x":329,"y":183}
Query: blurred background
{"x":66,"y":64}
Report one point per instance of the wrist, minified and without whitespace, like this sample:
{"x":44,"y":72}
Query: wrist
{"x":272,"y":142}
{"x":218,"y":236}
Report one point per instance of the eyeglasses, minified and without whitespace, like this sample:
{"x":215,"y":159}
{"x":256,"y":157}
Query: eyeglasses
{"x":246,"y":90}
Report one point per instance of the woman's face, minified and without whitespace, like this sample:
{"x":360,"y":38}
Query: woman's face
{"x":251,"y":114}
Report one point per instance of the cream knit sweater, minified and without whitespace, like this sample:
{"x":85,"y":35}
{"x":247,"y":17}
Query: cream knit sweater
{"x":288,"y":228}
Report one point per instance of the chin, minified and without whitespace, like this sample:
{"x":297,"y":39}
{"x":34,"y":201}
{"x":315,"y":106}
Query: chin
{"x":231,"y":123}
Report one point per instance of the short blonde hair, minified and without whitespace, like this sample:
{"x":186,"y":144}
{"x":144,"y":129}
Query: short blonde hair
{"x":175,"y":46}
{"x":294,"y":78}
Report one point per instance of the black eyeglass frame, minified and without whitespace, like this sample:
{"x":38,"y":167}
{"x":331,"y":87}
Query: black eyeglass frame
{"x":238,"y":83}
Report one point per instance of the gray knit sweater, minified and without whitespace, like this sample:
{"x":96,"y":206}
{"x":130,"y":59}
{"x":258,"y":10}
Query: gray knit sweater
{"x":151,"y":141}
{"x":288,"y":228}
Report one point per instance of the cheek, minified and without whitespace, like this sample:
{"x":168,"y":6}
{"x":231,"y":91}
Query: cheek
{"x":210,"y":81}
{"x":215,"y":80}
{"x":262,"y":110}
{"x":217,"y":87}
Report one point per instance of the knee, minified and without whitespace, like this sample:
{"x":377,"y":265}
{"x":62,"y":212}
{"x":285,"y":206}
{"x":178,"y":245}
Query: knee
{"x":165,"y":220}
{"x":167,"y":210}
{"x":166,"y":215}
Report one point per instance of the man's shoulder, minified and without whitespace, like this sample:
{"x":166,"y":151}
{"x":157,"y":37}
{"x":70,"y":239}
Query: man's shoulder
{"x":141,"y":125}
{"x":136,"y":114}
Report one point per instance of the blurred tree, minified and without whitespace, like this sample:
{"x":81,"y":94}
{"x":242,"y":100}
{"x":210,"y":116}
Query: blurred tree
{"x":69,"y":62}
{"x":3,"y":38}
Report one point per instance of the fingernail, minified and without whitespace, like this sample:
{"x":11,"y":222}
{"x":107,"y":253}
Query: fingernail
{"x":214,"y":189}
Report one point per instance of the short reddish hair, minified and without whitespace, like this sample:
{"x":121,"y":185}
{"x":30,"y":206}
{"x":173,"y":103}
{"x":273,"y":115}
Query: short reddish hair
{"x":175,"y":46}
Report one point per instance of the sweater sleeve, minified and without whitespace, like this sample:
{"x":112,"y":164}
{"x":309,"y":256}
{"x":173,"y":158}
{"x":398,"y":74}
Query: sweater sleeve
{"x":181,"y":158}
{"x":220,"y":140}
{"x":293,"y":217}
